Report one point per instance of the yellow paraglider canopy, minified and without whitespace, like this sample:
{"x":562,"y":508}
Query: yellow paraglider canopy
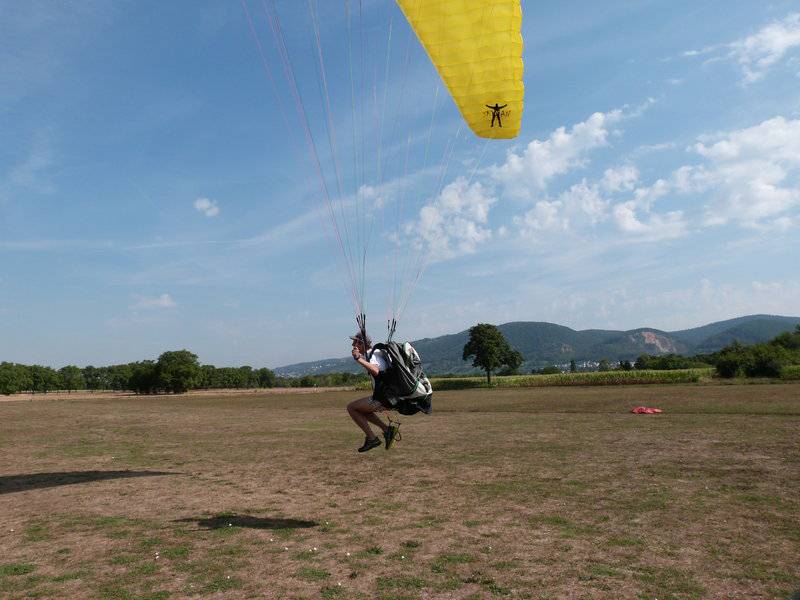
{"x":476,"y":46}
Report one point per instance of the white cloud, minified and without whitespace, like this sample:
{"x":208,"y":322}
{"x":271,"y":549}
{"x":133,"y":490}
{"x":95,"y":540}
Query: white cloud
{"x":455,"y":222}
{"x":651,"y":148}
{"x":785,"y":223}
{"x":645,"y":197}
{"x":582,"y":203}
{"x":565,"y":150}
{"x":162,"y":301}
{"x":654,"y":228}
{"x":544,"y":216}
{"x":759,"y":52}
{"x":777,"y":138}
{"x":587,"y":203}
{"x":762,"y":50}
{"x":585,"y":200}
{"x":622,"y":178}
{"x":207,"y":207}
{"x":753,"y":174}
{"x":701,"y":52}
{"x":749,"y":176}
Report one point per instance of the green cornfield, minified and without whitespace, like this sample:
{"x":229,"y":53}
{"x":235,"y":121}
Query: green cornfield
{"x":639,"y":377}
{"x":562,"y":379}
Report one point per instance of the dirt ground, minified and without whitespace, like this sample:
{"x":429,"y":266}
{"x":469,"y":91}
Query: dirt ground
{"x":96,"y":395}
{"x":515,"y":493}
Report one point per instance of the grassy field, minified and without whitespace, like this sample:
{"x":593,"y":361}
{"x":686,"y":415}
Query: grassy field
{"x":503,"y":493}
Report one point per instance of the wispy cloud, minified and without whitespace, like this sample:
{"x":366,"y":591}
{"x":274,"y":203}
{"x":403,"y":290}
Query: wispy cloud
{"x":652,"y":148}
{"x":44,"y":36}
{"x":756,"y":54}
{"x":703,"y":51}
{"x":32,"y":172}
{"x":159,"y":302}
{"x":46,"y":245}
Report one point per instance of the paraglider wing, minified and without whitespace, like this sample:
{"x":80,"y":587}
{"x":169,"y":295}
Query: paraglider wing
{"x":476,"y":46}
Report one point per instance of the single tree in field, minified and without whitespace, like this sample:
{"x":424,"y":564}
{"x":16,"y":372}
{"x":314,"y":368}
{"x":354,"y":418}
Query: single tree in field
{"x":490,"y":350}
{"x":512,"y":363}
{"x":573,"y":368}
{"x":178,"y":371}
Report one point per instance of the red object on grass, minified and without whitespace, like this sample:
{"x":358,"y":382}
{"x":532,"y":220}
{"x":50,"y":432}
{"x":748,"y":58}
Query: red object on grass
{"x":646,"y":410}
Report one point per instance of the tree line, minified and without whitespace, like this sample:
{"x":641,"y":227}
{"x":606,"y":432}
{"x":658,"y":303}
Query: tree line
{"x":174,"y":372}
{"x":767,"y":359}
{"x":179,"y":370}
{"x":491,"y":352}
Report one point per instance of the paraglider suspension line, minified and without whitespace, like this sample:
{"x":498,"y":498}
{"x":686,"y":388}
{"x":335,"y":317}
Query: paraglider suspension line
{"x":361,"y":319}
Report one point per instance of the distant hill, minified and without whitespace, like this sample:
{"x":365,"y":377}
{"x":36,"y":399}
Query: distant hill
{"x":547,"y":343}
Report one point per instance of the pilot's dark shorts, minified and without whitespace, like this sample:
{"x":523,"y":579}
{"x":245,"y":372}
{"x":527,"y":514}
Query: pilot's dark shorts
{"x":377,"y":405}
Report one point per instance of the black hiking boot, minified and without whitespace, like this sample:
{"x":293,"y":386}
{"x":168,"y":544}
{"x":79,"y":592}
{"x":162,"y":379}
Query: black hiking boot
{"x":391,"y":435}
{"x":369,"y":444}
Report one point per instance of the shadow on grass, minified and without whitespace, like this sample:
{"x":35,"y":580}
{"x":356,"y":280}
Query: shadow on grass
{"x":33,"y":481}
{"x":232,"y":520}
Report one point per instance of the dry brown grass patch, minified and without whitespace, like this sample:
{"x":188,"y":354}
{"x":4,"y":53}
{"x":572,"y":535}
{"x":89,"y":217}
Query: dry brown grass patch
{"x":540,"y":493}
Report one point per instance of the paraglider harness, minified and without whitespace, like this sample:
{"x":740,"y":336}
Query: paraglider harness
{"x":403,"y":386}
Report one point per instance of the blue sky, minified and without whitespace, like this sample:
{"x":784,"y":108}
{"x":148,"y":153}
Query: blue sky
{"x":155,"y":194}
